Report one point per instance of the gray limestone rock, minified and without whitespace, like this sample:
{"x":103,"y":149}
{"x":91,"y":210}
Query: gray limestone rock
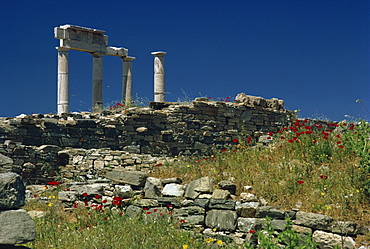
{"x":16,"y":227}
{"x":173,"y":189}
{"x":135,"y":178}
{"x":316,"y":221}
{"x":196,"y":187}
{"x":153,"y":187}
{"x":248,"y":224}
{"x":329,"y":240}
{"x":12,"y":191}
{"x":224,"y":220}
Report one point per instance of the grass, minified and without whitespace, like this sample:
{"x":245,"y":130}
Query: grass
{"x":318,"y":168}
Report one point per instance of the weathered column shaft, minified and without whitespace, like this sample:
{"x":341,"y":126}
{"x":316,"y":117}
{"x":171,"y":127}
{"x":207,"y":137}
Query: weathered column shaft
{"x":97,"y":82}
{"x":63,"y":80}
{"x":159,"y":76}
{"x":127,"y":80}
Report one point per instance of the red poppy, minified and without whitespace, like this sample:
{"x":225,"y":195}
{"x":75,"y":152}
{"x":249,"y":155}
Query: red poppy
{"x":249,"y":139}
{"x":161,"y":214}
{"x":308,"y":127}
{"x":182,"y":221}
{"x":314,"y":141}
{"x":155,"y":210}
{"x":252,"y":231}
{"x":235,"y":140}
{"x":282,"y":138}
{"x":68,"y":189}
{"x":300,"y":182}
{"x":223,"y":150}
{"x":35,"y":196}
{"x":325,"y":137}
{"x":339,"y":142}
{"x":84,"y":194}
{"x":159,"y":164}
{"x":341,"y":146}
{"x":97,"y":196}
{"x":270,"y":133}
{"x":105,"y":218}
{"x":338,"y":136}
{"x":117,"y":198}
{"x":148,"y":212}
{"x":145,"y":208}
{"x":170,"y":212}
{"x":169,"y":206}
{"x":290,"y":141}
{"x":308,"y":132}
{"x":120,"y":213}
{"x":54,"y":183}
{"x":104,"y":201}
{"x":323,"y":177}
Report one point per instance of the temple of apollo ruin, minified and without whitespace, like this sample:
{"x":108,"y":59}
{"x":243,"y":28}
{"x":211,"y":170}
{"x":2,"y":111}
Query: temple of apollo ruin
{"x":95,"y":42}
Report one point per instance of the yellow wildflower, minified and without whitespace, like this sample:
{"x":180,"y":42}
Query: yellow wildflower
{"x":185,"y":247}
{"x":219,"y":242}
{"x":50,"y":204}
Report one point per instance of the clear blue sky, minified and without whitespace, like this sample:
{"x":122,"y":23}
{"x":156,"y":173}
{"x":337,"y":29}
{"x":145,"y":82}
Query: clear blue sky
{"x":314,"y":54}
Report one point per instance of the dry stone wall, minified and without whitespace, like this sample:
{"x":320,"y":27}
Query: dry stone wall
{"x":161,"y":129}
{"x":212,"y":209}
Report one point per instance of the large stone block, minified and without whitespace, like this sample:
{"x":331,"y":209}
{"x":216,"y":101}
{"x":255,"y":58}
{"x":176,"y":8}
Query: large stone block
{"x":316,"y":221}
{"x":329,"y":240}
{"x":201,"y":185}
{"x":221,"y":219}
{"x":135,"y":178}
{"x":12,"y":191}
{"x":16,"y":227}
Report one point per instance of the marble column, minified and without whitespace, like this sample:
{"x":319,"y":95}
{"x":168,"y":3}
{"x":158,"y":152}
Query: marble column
{"x":63,"y":80}
{"x":97,"y":82}
{"x":127,"y":80}
{"x":159,"y":76}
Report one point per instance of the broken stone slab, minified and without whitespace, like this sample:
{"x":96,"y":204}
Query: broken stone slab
{"x":17,"y":227}
{"x":224,"y":220}
{"x":327,"y":240}
{"x":12,"y":191}
{"x":169,"y":202}
{"x":221,"y":204}
{"x":133,"y":212}
{"x":271,"y":212}
{"x":344,"y":227}
{"x":220,"y":194}
{"x":248,"y":224}
{"x":153,"y":187}
{"x":124,"y":191}
{"x":316,"y":221}
{"x":173,"y":189}
{"x":192,"y":210}
{"x":201,"y":185}
{"x":229,"y":186}
{"x":5,"y":161}
{"x":134,"y":178}
{"x":246,"y":209}
{"x":90,"y":189}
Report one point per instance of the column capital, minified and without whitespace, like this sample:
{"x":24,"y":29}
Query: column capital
{"x":97,"y":54}
{"x":62,"y":49}
{"x":158,"y":53}
{"x":128,"y":58}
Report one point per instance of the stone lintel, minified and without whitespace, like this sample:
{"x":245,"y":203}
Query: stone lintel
{"x":93,"y":48}
{"x":159,"y":53}
{"x":128,"y":58}
{"x":75,"y":27}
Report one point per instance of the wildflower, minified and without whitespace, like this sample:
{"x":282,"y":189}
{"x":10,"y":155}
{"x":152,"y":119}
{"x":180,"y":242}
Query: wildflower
{"x":252,"y":231}
{"x":322,"y":194}
{"x":34,"y":196}
{"x":188,"y":166}
{"x":308,"y":132}
{"x":214,"y":229}
{"x":314,"y":141}
{"x":50,"y":204}
{"x":97,"y":196}
{"x":159,"y":164}
{"x":84,"y":194}
{"x":339,"y":142}
{"x":68,"y":189}
{"x":182,"y":221}
{"x":219,"y":242}
{"x":169,"y":212}
{"x":150,"y":213}
{"x":121,"y":213}
{"x":169,"y":206}
{"x":155,"y":210}
{"x":270,"y":133}
{"x":300,"y":182}
{"x":45,"y":187}
{"x":210,"y":240}
{"x":235,"y":140}
{"x":323,"y":177}
{"x":282,"y":138}
{"x":328,"y":207}
{"x":105,"y":218}
{"x":54,"y":183}
{"x":104,"y":201}
{"x":249,"y":139}
{"x":185,"y":247}
{"x":290,"y":141}
{"x":223,"y":150}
